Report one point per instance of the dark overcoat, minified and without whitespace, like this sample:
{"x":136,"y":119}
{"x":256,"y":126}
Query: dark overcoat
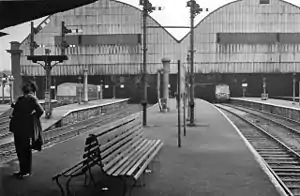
{"x":24,"y":109}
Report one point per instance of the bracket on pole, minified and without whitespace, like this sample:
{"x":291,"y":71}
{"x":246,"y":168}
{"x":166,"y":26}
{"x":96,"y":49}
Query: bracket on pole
{"x":48,"y":59}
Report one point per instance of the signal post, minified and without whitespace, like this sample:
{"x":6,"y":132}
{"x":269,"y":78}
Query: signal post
{"x":46,"y":62}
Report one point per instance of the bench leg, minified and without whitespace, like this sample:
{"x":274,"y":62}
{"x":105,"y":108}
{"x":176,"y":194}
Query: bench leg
{"x":85,"y":179}
{"x":141,"y":181}
{"x":60,"y":187}
{"x":68,"y":186}
{"x":92,"y":177}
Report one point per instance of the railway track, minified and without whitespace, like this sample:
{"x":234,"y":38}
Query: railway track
{"x":4,"y":123}
{"x":280,"y":156}
{"x":56,"y":135}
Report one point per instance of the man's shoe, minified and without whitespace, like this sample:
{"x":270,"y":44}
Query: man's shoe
{"x":17,"y":173}
{"x":24,"y":175}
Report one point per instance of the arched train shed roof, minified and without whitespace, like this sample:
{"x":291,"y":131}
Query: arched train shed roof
{"x":216,"y":10}
{"x":126,"y":4}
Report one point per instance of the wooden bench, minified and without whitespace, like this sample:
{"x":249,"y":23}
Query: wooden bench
{"x":120,"y":151}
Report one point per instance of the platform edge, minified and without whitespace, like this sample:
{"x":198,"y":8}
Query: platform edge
{"x":257,"y":157}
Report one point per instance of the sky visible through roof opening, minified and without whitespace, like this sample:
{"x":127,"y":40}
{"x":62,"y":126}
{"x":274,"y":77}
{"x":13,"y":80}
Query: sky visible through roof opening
{"x":174,"y":13}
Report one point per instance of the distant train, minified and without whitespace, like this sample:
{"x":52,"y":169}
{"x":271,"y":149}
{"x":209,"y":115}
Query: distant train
{"x":222,"y":93}
{"x":68,"y":93}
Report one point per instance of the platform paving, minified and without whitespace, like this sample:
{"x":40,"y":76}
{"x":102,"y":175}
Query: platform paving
{"x":213,"y":161}
{"x":3,"y":108}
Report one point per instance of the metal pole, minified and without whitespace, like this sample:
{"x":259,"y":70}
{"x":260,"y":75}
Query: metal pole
{"x":48,"y":68}
{"x":178,"y":101}
{"x":32,"y":43}
{"x":47,"y":90}
{"x":299,"y":91}
{"x":144,"y":103}
{"x":63,"y":52}
{"x":184,"y":114}
{"x":294,"y":88}
{"x":192,"y":104}
{"x":85,"y":85}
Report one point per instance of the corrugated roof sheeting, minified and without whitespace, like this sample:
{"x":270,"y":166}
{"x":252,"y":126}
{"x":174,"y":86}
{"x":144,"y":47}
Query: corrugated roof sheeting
{"x":103,"y":18}
{"x":248,"y":16}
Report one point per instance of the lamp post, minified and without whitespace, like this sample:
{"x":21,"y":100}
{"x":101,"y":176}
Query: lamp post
{"x":294,"y":87}
{"x":147,"y":8}
{"x":194,"y":11}
{"x":80,"y":90}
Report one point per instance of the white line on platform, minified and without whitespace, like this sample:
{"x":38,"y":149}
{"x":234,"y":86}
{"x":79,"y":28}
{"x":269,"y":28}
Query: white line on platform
{"x":257,"y":157}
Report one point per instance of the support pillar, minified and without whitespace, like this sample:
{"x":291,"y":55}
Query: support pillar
{"x":158,"y":88}
{"x":264,"y":95}
{"x":294,"y":87}
{"x":166,"y":65}
{"x":299,"y":92}
{"x":16,"y":68}
{"x":85,"y":86}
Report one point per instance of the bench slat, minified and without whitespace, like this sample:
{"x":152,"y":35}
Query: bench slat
{"x":107,"y":137}
{"x":133,"y":168}
{"x":123,"y":155}
{"x":141,"y":170}
{"x":133,"y":159}
{"x":127,"y":158}
{"x":128,"y":134}
{"x":118,"y":148}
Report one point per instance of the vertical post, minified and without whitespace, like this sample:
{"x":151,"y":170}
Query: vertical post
{"x":114,"y":91}
{"x":158,"y":86}
{"x":178,"y":100}
{"x":32,"y":43}
{"x":101,"y":91}
{"x":166,"y":65}
{"x":184,"y":114}
{"x":299,"y":92}
{"x":16,"y":68}
{"x":145,"y":99}
{"x":192,"y":103}
{"x":85,"y":85}
{"x":48,"y":108}
{"x":11,"y":91}
{"x":63,"y":38}
{"x":3,"y":86}
{"x":294,"y":87}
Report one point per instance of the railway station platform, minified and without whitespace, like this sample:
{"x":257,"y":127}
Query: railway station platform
{"x":69,"y":114}
{"x":5,"y":108}
{"x":280,"y":107}
{"x":213,"y":160}
{"x":74,"y":112}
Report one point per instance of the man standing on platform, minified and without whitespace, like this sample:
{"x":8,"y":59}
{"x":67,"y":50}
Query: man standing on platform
{"x":23,"y":124}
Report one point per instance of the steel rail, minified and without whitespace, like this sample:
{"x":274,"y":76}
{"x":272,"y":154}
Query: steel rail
{"x":273,"y":140}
